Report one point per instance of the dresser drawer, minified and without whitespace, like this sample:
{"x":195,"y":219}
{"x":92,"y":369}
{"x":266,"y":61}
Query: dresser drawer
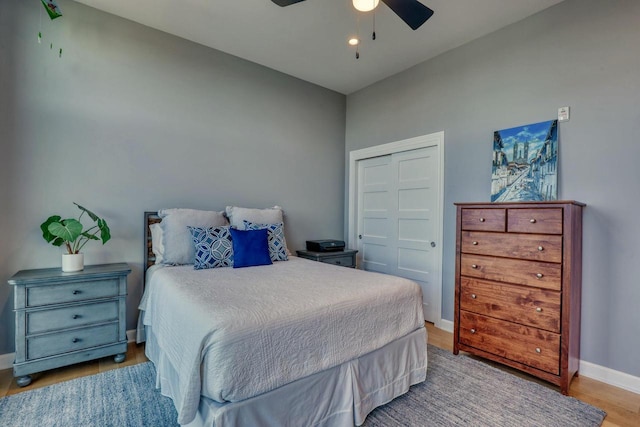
{"x":531,"y":273}
{"x":535,"y":307}
{"x":64,"y":342}
{"x":71,"y":317}
{"x":547,"y":220}
{"x":537,"y":247}
{"x":484,"y":219}
{"x":533,"y":347}
{"x":71,"y":292}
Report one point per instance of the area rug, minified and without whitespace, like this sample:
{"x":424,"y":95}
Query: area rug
{"x":459,"y":391}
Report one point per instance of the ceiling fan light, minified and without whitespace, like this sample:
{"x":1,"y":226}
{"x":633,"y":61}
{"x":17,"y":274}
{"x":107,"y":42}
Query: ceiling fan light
{"x":365,"y":5}
{"x":353,"y":41}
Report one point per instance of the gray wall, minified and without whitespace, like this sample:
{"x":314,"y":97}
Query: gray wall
{"x":579,"y":53}
{"x":131,"y":119}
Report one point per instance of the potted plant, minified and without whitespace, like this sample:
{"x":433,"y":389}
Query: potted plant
{"x":72,"y":234}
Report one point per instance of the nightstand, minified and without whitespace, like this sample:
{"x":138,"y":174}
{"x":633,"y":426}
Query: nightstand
{"x":346,"y":258}
{"x":67,"y":318}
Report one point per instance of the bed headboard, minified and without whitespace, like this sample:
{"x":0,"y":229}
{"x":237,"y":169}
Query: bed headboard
{"x":149,"y":257}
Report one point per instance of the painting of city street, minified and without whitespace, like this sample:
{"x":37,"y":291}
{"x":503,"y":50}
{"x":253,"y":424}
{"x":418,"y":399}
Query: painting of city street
{"x":525,"y":163}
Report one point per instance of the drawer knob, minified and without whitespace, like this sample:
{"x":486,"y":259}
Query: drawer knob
{"x":473,"y":296}
{"x":481,"y":219}
{"x":75,"y":316}
{"x":338,"y":262}
{"x":539,"y":275}
{"x":75,"y":340}
{"x":539,"y":309}
{"x":76,"y":292}
{"x":532,"y":220}
{"x":474,"y":243}
{"x":474,"y":266}
{"x":540,"y":248}
{"x":538,"y":350}
{"x":473,"y":331}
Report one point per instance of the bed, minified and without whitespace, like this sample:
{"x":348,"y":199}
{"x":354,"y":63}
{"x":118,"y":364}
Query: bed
{"x":290,"y":343}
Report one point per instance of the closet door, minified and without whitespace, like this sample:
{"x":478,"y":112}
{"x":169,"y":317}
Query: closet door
{"x":397,"y":224}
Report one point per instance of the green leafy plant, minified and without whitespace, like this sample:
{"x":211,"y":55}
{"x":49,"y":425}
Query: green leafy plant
{"x":71,"y":233}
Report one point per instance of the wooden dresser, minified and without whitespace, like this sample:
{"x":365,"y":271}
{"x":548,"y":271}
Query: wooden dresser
{"x":66,"y":318}
{"x":518,"y":286}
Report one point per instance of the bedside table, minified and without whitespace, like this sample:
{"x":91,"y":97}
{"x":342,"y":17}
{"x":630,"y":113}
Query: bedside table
{"x":346,"y":258}
{"x":67,"y":318}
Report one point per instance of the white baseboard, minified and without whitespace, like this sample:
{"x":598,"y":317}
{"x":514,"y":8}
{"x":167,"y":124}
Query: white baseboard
{"x":6,"y":360}
{"x":609,"y":376}
{"x":445,"y":325}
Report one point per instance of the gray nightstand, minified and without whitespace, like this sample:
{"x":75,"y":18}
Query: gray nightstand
{"x":346,"y":258}
{"x":67,"y":318}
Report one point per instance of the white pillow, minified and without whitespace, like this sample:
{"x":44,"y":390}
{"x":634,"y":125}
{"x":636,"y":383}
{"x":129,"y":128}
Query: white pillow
{"x":156,"y":242}
{"x":272,"y":215}
{"x":176,"y":237}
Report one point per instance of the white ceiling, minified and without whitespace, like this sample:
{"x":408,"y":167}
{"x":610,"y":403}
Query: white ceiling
{"x":308,"y":40}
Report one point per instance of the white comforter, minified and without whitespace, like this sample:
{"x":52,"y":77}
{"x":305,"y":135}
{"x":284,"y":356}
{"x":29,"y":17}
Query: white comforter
{"x":235,"y":333}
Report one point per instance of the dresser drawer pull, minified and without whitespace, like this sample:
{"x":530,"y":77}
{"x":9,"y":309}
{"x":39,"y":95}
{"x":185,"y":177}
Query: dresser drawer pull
{"x":473,"y":331}
{"x":474,"y":265}
{"x":481,"y":219}
{"x":540,"y":248}
{"x":539,"y":309}
{"x":532,"y":220}
{"x":338,"y":263}
{"x":538,"y":350}
{"x":473,"y":296}
{"x":76,"y":292}
{"x":539,"y":275}
{"x":474,"y":243}
{"x":75,"y":340}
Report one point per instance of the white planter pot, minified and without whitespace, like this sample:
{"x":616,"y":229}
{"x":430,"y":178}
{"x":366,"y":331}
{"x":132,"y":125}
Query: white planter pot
{"x":72,"y":262}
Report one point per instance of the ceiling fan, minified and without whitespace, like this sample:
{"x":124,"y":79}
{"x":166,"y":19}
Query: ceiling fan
{"x":412,"y":12}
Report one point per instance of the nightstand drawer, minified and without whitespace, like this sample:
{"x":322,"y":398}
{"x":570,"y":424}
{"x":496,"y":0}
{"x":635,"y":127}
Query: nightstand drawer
{"x":346,"y":258}
{"x":64,"y":342}
{"x":71,"y":292}
{"x":71,"y":317}
{"x":345,"y":261}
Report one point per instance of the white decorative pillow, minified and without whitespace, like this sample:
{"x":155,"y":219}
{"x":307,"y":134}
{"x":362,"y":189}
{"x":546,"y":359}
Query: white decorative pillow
{"x":272,"y":215}
{"x":275,"y":238}
{"x":176,"y":238}
{"x":156,"y":242}
{"x":213,"y":247}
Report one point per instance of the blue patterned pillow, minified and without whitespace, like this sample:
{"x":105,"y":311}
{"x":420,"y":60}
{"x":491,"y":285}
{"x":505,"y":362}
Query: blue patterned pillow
{"x":213,"y":247}
{"x":250,"y":248}
{"x":275,"y":235}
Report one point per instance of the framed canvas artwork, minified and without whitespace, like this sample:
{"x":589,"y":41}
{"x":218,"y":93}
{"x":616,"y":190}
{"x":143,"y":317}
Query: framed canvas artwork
{"x":525,"y":163}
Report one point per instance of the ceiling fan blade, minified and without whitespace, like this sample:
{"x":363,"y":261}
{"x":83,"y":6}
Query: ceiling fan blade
{"x":412,"y":12}
{"x":284,"y":3}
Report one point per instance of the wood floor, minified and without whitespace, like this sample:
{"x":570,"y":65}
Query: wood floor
{"x":622,"y":407}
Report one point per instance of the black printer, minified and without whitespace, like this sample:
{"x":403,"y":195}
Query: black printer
{"x":326,"y":245}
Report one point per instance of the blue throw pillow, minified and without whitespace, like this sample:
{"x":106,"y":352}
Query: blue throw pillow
{"x":275,"y":235}
{"x":250,"y":248}
{"x":213,"y":247}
